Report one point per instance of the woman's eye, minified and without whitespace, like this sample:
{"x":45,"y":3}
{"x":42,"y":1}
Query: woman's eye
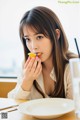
{"x":39,"y":37}
{"x":27,"y":39}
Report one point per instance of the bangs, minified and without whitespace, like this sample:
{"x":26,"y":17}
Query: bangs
{"x":37,"y":28}
{"x":36,"y":25}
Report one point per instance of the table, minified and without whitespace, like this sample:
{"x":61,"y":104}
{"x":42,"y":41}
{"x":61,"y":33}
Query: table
{"x":16,"y":115}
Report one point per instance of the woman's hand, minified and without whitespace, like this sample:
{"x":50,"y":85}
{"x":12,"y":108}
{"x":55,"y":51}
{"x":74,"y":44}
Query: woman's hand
{"x":32,"y":70}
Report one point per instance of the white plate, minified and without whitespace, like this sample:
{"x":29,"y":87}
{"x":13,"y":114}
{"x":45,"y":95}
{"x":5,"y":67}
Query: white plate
{"x":47,"y":108}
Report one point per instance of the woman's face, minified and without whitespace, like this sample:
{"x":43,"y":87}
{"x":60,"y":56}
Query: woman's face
{"x":38,"y":43}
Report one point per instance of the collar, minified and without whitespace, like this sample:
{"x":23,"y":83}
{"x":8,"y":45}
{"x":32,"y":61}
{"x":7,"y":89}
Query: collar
{"x":52,"y":75}
{"x":40,"y":79}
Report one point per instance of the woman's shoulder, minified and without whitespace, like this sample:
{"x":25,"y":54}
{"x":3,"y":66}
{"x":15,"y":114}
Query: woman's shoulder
{"x":71,"y":55}
{"x":67,"y":68}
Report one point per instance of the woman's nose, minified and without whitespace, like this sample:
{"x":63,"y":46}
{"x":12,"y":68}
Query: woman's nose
{"x":34,"y":46}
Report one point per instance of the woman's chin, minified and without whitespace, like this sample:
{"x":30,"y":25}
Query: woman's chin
{"x":42,"y":60}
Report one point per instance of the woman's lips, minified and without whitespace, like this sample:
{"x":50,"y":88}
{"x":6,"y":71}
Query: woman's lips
{"x":39,"y":54}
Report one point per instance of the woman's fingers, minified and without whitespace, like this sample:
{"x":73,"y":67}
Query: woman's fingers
{"x":38,"y":69}
{"x":33,"y":68}
{"x":27,"y":62}
{"x":37,"y":73}
{"x":30,"y":64}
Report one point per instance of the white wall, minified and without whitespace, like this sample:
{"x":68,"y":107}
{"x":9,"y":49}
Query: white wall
{"x":11,"y":12}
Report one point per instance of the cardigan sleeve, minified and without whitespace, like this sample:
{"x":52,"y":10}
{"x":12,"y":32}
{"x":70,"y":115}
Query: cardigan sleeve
{"x":18,"y":92}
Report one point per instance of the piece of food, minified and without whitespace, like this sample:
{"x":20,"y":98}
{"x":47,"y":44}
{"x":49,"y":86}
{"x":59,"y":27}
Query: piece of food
{"x":32,"y":55}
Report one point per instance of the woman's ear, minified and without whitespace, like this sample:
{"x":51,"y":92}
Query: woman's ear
{"x":58,"y":33}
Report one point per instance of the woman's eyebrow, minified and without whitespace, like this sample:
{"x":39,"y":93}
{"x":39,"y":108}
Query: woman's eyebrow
{"x":26,"y":36}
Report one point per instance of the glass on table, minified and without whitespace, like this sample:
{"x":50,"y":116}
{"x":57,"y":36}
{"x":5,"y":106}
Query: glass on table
{"x":75,"y":73}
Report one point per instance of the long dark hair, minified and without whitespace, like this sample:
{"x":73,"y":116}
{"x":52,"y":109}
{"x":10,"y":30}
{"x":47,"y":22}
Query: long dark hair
{"x":45,"y":21}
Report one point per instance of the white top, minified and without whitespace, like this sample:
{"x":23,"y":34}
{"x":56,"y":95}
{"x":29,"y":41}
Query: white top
{"x":19,"y":93}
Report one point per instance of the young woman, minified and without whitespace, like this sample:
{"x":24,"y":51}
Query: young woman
{"x":46,"y":75}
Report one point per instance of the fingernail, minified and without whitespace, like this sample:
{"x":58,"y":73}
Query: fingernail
{"x":37,"y":58}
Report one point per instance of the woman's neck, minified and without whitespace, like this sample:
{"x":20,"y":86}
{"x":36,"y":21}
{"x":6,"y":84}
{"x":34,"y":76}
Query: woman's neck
{"x":48,"y":65}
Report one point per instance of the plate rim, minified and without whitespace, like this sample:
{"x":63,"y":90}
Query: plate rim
{"x":43,"y":99}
